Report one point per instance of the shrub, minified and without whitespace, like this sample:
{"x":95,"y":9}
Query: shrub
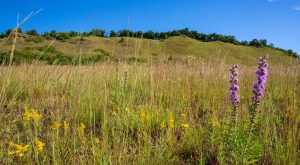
{"x":48,"y":49}
{"x":63,"y":36}
{"x":32,"y":32}
{"x":136,"y":59}
{"x":52,"y":56}
{"x":35,"y":39}
{"x":47,"y":35}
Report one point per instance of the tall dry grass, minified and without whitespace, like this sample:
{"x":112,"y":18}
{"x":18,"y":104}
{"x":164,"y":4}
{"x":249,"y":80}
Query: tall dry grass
{"x":159,"y":114}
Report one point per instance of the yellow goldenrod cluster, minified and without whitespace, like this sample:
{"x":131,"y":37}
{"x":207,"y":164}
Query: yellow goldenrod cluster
{"x":183,"y":115}
{"x":66,"y":126}
{"x":163,"y":125}
{"x":145,"y":116}
{"x":31,"y":115}
{"x":97,"y":141}
{"x":19,"y":149}
{"x":56,"y":125}
{"x":81,"y":128}
{"x":40,"y":145}
{"x":171,"y":120}
{"x":185,"y":125}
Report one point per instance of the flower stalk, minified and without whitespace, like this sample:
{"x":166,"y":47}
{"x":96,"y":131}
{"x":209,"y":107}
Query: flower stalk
{"x":258,"y":89}
{"x":233,"y":93}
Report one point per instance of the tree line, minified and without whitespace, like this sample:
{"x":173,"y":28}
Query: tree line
{"x":155,"y":36}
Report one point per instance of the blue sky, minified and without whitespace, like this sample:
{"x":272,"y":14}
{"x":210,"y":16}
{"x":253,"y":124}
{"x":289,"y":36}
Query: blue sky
{"x":278,"y":21}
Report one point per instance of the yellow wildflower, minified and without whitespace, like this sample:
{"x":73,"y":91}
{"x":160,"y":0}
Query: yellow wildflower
{"x":65,"y":125}
{"x":145,"y":115}
{"x":40,"y":145}
{"x":19,"y":149}
{"x":183,"y":115}
{"x":171,"y":120}
{"x":163,"y":124}
{"x":56,"y":125}
{"x":35,"y":116}
{"x":81,"y":128}
{"x":185,"y":125}
{"x":26,"y":115}
{"x":142,"y":115}
{"x":31,"y":115}
{"x":97,"y":141}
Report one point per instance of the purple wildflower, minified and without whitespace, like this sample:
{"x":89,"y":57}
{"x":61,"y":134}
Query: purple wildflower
{"x":234,"y":87}
{"x":258,"y":91}
{"x":259,"y":86}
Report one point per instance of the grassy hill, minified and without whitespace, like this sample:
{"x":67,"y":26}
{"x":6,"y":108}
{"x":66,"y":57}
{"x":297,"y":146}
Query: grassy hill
{"x":179,"y":48}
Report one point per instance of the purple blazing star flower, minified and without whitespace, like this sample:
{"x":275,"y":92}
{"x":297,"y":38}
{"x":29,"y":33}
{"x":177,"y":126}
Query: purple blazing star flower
{"x":258,"y":91}
{"x":259,"y":86}
{"x":234,"y":87}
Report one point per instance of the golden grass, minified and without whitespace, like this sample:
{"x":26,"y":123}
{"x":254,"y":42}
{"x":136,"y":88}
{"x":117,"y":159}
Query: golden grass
{"x":178,"y":48}
{"x":167,"y":114}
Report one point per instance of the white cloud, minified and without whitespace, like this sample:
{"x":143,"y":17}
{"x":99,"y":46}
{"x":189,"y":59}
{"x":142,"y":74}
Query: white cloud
{"x":297,"y":8}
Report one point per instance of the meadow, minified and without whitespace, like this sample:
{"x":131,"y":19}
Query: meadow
{"x":150,"y":112}
{"x":163,"y":114}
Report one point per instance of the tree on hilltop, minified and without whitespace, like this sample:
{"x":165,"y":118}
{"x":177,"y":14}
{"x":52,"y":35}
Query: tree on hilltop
{"x":32,"y":32}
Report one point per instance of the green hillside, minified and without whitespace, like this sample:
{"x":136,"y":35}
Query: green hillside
{"x":179,"y":48}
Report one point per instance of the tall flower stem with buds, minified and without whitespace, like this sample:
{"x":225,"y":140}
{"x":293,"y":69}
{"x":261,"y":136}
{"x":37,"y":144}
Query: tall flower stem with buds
{"x":235,"y":101}
{"x":258,"y":90}
{"x":116,"y":86}
{"x":233,"y":93}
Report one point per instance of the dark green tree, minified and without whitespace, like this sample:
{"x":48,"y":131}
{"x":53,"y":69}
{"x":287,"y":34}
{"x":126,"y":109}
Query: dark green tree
{"x":32,"y":32}
{"x":125,"y":33}
{"x":73,"y":34}
{"x":255,"y":43}
{"x":97,"y":32}
{"x":264,"y":42}
{"x":149,"y":35}
{"x":139,"y":34}
{"x":2,"y":35}
{"x":53,"y":33}
{"x":113,"y":34}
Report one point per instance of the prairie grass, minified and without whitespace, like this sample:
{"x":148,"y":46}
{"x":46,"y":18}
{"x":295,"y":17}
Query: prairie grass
{"x":160,"y":113}
{"x":176,"y":48}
